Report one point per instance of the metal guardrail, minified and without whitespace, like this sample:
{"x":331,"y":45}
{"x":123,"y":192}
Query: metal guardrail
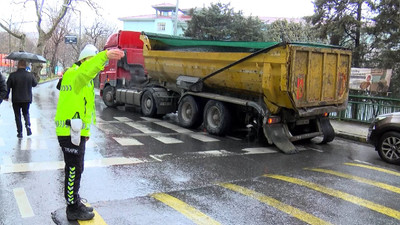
{"x":364,"y":109}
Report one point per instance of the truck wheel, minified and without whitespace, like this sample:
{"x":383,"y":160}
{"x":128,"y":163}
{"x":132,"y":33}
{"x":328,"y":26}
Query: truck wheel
{"x":189,"y":112}
{"x":389,"y":147}
{"x":217,"y":118}
{"x":109,"y":96}
{"x":327,"y":130}
{"x":148,"y":104}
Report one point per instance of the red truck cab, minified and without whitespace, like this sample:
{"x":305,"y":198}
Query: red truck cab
{"x":127,"y":72}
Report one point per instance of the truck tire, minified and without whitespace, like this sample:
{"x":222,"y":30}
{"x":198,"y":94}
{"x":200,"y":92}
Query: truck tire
{"x":109,"y":96}
{"x":189,"y":112}
{"x":217,"y":118}
{"x":148,"y":104}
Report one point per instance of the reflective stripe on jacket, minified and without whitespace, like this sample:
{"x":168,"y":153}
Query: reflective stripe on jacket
{"x":77,"y":95}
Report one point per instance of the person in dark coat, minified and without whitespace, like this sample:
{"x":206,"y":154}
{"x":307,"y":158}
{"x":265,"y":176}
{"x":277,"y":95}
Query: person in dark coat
{"x":21,"y":83}
{"x":3,"y":88}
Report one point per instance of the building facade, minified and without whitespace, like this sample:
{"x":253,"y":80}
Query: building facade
{"x":162,"y":22}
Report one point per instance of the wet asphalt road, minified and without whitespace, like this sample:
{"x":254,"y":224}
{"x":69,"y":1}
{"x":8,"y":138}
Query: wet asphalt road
{"x":150,"y":171}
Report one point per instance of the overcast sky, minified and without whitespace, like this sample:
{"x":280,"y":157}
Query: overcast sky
{"x":268,"y":8}
{"x":114,"y":9}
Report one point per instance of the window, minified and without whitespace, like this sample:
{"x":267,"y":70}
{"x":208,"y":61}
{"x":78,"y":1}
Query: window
{"x":161,"y":26}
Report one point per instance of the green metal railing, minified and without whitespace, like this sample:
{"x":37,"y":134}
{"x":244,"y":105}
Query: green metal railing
{"x":364,"y":109}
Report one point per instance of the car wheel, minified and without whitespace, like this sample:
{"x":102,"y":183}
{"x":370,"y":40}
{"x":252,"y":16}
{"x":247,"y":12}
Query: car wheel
{"x":389,"y":147}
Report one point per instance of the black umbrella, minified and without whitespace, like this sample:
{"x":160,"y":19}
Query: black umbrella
{"x":29,"y":57}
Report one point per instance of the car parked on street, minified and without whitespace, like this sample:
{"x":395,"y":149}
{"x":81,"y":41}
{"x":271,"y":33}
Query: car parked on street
{"x":384,"y":134}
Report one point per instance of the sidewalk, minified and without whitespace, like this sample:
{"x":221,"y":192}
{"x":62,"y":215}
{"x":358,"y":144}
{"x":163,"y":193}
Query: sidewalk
{"x":350,"y":130}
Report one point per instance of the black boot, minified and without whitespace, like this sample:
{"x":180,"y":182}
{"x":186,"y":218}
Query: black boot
{"x":74,"y":212}
{"x":28,"y":131}
{"x":81,"y":205}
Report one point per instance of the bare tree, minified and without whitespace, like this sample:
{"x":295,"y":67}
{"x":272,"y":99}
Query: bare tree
{"x":43,"y":16}
{"x":17,"y":35}
{"x":52,"y":48}
{"x":98,"y":33}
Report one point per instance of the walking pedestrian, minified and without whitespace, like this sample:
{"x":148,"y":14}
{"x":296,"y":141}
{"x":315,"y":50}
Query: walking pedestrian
{"x":75,"y":113}
{"x":21,"y":83}
{"x":3,"y":88}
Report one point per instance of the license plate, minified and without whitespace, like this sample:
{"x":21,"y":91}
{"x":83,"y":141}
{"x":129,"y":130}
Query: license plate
{"x":302,"y":122}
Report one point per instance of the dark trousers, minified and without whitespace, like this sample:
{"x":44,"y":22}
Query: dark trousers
{"x":74,"y":165}
{"x":24,"y":107}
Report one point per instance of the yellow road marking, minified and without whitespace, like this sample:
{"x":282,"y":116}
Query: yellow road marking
{"x":295,"y":212}
{"x":190,"y":212}
{"x":339,"y":194}
{"x":360,"y":179}
{"x":97,"y":219}
{"x":374,"y":168}
{"x":23,"y":203}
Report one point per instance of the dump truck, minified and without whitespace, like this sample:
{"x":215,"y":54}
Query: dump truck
{"x":283,"y":91}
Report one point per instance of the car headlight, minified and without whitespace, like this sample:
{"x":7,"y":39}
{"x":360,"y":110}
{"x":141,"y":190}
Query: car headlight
{"x":379,"y":118}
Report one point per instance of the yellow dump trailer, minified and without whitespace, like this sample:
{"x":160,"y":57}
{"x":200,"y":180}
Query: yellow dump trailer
{"x":294,"y":76}
{"x":284,"y":90}
{"x":288,"y":89}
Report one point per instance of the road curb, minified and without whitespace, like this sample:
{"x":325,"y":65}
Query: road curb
{"x":352,"y":137}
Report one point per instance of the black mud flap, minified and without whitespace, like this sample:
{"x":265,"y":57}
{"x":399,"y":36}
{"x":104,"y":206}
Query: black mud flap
{"x":327,"y":130}
{"x":276,"y":133}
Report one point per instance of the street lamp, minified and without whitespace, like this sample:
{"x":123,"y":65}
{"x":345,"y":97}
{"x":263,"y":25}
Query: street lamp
{"x":80,"y":24}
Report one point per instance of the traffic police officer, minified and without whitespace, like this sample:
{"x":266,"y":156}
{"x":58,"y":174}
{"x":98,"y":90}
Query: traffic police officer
{"x":75,"y":113}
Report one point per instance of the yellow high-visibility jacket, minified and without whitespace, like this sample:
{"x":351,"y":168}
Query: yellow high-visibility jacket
{"x":76,"y":99}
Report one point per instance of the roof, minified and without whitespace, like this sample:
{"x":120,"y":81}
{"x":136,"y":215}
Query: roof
{"x":153,"y":17}
{"x":165,"y":7}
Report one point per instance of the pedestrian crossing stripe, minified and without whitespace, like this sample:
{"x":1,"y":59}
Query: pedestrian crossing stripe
{"x":360,"y":179}
{"x":167,"y":140}
{"x":45,"y":166}
{"x":173,"y":127}
{"x":109,"y":129}
{"x":142,"y":128}
{"x":127,"y":141}
{"x":374,"y":168}
{"x":295,"y":212}
{"x":33,"y":144}
{"x":339,"y":194}
{"x":122,"y":119}
{"x":24,"y":206}
{"x":187,"y":210}
{"x":150,"y":119}
{"x":260,"y":150}
{"x":203,"y":138}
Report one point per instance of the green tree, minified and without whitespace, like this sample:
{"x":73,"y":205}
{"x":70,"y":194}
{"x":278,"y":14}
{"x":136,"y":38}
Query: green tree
{"x":220,"y":22}
{"x":282,"y":30}
{"x":342,"y":22}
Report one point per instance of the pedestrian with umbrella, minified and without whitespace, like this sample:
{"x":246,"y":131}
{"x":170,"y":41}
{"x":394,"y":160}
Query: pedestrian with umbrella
{"x":20,"y":83}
